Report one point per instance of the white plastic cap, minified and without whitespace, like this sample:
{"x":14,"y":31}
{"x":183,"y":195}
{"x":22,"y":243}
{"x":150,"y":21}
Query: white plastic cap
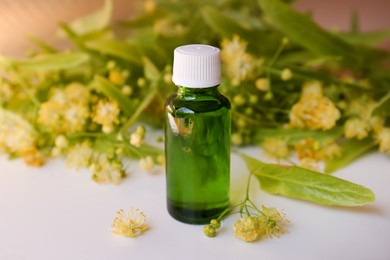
{"x":196,"y":66}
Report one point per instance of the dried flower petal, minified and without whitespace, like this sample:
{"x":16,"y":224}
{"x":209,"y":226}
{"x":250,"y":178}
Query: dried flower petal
{"x":129,"y":224}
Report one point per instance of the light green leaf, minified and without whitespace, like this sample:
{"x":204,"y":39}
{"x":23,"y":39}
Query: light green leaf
{"x":350,"y":151}
{"x":299,"y":183}
{"x":104,"y":86}
{"x":116,"y":48}
{"x":49,"y":62}
{"x":303,"y":31}
{"x":94,"y":21}
{"x":150,"y":70}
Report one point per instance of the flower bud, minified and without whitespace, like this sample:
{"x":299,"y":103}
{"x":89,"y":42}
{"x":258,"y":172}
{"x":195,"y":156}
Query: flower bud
{"x":215,"y":223}
{"x":209,"y":231}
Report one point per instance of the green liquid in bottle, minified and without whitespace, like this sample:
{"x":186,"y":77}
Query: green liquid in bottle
{"x":197,"y":147}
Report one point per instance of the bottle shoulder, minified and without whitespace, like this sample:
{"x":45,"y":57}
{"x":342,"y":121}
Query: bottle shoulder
{"x":197,"y":103}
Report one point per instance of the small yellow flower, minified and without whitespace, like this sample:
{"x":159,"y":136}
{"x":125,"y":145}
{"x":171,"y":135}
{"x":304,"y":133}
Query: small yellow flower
{"x":309,"y":164}
{"x":376,"y":123}
{"x":276,"y":148}
{"x":61,"y":141}
{"x":32,"y":157}
{"x":240,"y":65}
{"x":106,"y":114}
{"x":116,"y":77}
{"x":272,"y":223}
{"x":237,"y":139}
{"x":314,"y":110}
{"x":16,"y":134}
{"x":79,"y":155}
{"x":383,"y":138}
{"x":316,"y":151}
{"x":147,"y":163}
{"x":137,"y":138}
{"x":238,"y":100}
{"x":141,"y":82}
{"x":107,"y":171}
{"x":127,"y":90}
{"x":75,"y":92}
{"x":130,"y":224}
{"x":286,"y":74}
{"x":263,"y":84}
{"x":247,"y":228}
{"x":160,"y":159}
{"x":356,"y":128}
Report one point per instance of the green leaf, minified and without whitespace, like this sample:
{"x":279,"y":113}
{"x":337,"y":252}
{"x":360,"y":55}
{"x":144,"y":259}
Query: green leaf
{"x":350,"y":151}
{"x":383,"y":107}
{"x":116,"y":48}
{"x":299,"y":183}
{"x":94,"y":21}
{"x":222,"y":24}
{"x":45,"y":48}
{"x":366,"y":38}
{"x":49,"y":62}
{"x":104,"y":86}
{"x":303,"y":31}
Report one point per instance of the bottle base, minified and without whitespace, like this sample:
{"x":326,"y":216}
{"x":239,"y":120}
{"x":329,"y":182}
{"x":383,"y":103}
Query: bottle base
{"x":193,"y":216}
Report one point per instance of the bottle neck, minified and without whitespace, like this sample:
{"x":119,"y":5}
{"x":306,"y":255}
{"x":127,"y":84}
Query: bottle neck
{"x":197,"y":91}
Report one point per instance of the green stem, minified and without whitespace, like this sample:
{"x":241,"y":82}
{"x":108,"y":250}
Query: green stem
{"x":258,"y":210}
{"x":277,"y":54}
{"x":134,"y":150}
{"x":247,"y":187}
{"x":139,"y":110}
{"x":222,"y":215}
{"x":23,"y":84}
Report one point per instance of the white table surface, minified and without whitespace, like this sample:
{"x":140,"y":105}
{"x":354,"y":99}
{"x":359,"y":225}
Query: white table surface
{"x":57,"y":213}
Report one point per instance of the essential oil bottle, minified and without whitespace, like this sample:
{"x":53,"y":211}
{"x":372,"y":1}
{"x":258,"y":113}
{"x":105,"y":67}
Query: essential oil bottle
{"x":197,"y":137}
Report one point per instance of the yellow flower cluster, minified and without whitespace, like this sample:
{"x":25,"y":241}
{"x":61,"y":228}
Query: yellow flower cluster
{"x":361,"y":121}
{"x":383,"y":138}
{"x":311,"y":152}
{"x":18,"y":137}
{"x":239,"y":64}
{"x":270,"y":223}
{"x":130,"y":224}
{"x":79,"y":156}
{"x":314,"y":110}
{"x":247,"y":228}
{"x":107,"y":171}
{"x":67,"y":109}
{"x":106,"y":114}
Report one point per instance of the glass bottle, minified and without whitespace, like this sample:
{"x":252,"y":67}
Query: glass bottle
{"x":197,"y":137}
